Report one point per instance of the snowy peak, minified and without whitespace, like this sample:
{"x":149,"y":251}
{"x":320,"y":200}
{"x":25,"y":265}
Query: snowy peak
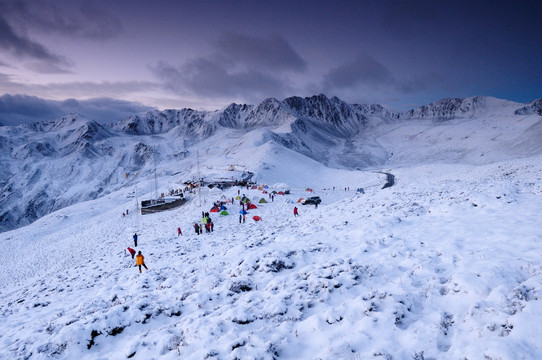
{"x":458,"y":108}
{"x":186,"y":122}
{"x":234,"y":115}
{"x":333,"y":115}
{"x":271,"y":112}
{"x":535,"y":107}
{"x":149,"y":123}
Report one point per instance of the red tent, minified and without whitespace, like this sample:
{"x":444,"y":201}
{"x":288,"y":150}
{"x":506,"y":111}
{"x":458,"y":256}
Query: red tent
{"x":264,"y":192}
{"x":308,"y":189}
{"x":251,"y":206}
{"x":254,"y":187}
{"x":280,"y":193}
{"x":215,"y":209}
{"x":300,"y":200}
{"x":256,"y":218}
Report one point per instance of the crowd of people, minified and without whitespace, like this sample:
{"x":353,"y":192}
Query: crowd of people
{"x":206,"y":224}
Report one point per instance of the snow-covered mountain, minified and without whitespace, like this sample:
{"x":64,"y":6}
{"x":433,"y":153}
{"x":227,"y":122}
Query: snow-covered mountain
{"x":535,"y":107}
{"x":426,"y":245}
{"x":43,"y":162}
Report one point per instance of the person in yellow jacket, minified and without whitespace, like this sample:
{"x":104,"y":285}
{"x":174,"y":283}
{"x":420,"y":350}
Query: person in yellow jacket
{"x":140,"y":261}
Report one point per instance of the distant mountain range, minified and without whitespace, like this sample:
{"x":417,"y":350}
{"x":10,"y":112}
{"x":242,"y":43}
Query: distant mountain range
{"x":49,"y":165}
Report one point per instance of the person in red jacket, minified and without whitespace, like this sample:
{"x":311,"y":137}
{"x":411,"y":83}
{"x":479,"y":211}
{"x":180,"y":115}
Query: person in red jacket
{"x":179,"y":232}
{"x":132,"y":252}
{"x":295,"y":211}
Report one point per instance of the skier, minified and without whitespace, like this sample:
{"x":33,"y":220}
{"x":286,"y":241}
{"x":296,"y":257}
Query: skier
{"x":212,"y":224}
{"x":179,"y":232}
{"x":135,"y":240}
{"x":140,"y":261}
{"x":295,"y":211}
{"x":132,"y":252}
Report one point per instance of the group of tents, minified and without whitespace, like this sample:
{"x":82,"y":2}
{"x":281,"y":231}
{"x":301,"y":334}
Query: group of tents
{"x":221,"y":209}
{"x":248,"y":205}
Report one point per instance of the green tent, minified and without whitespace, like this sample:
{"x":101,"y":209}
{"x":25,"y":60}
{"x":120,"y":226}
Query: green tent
{"x":224,"y":212}
{"x":262,"y":201}
{"x":246,"y":200}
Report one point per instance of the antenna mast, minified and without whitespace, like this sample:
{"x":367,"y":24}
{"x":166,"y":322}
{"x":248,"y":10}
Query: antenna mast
{"x":155,"y":181}
{"x":137,"y":207}
{"x":199,"y":179}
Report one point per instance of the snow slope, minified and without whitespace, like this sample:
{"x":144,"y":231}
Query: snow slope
{"x":445,"y":264}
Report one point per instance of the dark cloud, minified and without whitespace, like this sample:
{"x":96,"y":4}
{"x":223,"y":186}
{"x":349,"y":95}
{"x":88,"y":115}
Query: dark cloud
{"x":365,"y":70}
{"x":243,"y":67}
{"x":18,"y":109}
{"x":21,"y":46}
{"x":271,"y":53}
{"x":72,"y":19}
{"x":211,"y":78}
{"x":18,"y":19}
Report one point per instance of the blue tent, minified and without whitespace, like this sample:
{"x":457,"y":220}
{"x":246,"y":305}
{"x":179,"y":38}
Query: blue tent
{"x":223,"y":208}
{"x":244,"y":212}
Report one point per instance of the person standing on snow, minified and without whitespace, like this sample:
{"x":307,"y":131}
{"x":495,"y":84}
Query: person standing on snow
{"x":132,"y":252}
{"x":179,"y":232}
{"x":135,"y":240}
{"x":196,"y":227}
{"x":140,"y":261}
{"x":295,"y":211}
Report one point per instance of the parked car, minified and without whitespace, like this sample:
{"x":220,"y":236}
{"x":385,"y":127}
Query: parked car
{"x":313,"y":200}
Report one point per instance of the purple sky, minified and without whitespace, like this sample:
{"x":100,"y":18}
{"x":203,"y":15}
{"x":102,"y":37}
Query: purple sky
{"x":131,"y":55}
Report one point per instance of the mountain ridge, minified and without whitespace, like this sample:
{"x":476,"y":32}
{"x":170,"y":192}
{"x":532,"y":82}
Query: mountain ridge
{"x":41,"y":162}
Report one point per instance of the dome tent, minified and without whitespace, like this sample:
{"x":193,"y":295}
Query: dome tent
{"x":224,"y":212}
{"x":262,"y":201}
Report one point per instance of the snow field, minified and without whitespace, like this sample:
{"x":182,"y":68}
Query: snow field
{"x":446,"y":264}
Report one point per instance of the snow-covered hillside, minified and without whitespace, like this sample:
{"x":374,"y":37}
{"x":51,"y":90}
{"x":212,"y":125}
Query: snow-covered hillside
{"x":44,"y":164}
{"x":445,"y":264}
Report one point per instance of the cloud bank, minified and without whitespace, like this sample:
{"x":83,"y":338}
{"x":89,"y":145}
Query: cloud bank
{"x":18,"y":109}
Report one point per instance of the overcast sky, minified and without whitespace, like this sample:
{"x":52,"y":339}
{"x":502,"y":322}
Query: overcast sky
{"x":129,"y":56}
